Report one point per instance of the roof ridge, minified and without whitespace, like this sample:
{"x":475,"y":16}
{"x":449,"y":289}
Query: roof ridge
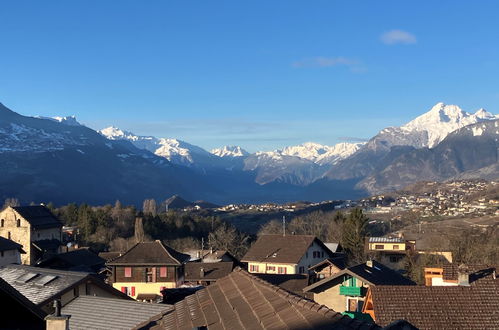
{"x":288,"y":295}
{"x":164,"y":247}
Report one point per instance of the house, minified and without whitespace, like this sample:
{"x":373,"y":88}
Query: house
{"x":453,"y":274}
{"x":147,"y":268}
{"x":473,"y":304}
{"x":10,"y":252}
{"x":206,"y":273}
{"x":210,"y":256}
{"x":82,"y":259}
{"x":91,"y":312}
{"x":285,"y":254}
{"x":390,"y":251}
{"x":345,"y":291}
{"x":326,"y":268}
{"x":42,"y":286}
{"x":243,"y":301}
{"x":35,"y":228}
{"x":18,"y":312}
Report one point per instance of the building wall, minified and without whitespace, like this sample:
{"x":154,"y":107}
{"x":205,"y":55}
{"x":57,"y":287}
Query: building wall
{"x":387,"y":246}
{"x":331,"y":297}
{"x":139,"y":274}
{"x":141,"y":287}
{"x":10,"y":257}
{"x":49,"y":233}
{"x":266,"y":268}
{"x":308,"y":260}
{"x":21,"y":235}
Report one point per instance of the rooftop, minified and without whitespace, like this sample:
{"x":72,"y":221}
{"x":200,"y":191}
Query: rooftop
{"x":150,"y":253}
{"x":7,"y":245}
{"x":39,"y":285}
{"x":386,"y":240}
{"x":211,"y":270}
{"x":89,"y":312}
{"x":281,"y":249}
{"x":38,"y":216}
{"x":243,"y":301}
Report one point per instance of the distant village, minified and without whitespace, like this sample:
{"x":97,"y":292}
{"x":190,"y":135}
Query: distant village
{"x":284,"y":281}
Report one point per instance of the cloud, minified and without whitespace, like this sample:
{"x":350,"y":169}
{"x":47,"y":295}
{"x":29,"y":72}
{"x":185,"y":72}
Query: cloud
{"x":393,"y":37}
{"x":327,"y":62}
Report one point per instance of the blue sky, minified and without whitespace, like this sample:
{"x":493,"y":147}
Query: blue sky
{"x":260,"y":74}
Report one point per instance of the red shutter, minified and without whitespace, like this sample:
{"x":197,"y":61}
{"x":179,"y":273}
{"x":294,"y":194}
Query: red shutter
{"x":162,"y":272}
{"x":123,"y":289}
{"x":128,"y":271}
{"x":133,"y":291}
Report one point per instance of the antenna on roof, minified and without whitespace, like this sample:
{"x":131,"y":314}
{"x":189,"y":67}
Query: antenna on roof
{"x":283,"y":225}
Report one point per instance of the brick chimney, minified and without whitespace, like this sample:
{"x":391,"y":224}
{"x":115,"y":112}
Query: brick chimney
{"x":57,"y":321}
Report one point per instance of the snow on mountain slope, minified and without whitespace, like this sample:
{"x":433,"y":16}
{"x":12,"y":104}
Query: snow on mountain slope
{"x":176,"y":151}
{"x":230,"y":151}
{"x":322,"y":154}
{"x":68,"y":120}
{"x":443,"y":119}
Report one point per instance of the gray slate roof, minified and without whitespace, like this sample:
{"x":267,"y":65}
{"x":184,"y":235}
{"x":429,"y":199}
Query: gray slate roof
{"x":38,"y":216}
{"x":7,"y":245}
{"x":89,"y":312}
{"x":29,"y":281}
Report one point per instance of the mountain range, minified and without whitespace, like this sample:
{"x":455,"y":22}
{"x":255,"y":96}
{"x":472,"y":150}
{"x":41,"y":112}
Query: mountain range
{"x":60,"y":160}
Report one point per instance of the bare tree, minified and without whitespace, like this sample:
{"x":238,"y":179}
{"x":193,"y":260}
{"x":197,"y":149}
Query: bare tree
{"x":11,"y":202}
{"x":139,"y":229}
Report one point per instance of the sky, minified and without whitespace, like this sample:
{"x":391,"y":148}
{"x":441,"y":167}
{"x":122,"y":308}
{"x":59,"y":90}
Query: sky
{"x":259,"y":74}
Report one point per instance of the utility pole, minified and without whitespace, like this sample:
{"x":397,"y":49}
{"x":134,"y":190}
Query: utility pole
{"x":283,"y":225}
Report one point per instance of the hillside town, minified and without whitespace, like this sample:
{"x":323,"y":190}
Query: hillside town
{"x":283,"y":281}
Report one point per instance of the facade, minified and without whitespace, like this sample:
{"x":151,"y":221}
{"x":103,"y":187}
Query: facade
{"x":326,"y":268}
{"x":147,"y":268}
{"x":35,"y":228}
{"x":290,"y":254}
{"x":10,"y":252}
{"x":391,"y":252}
{"x":346,"y":290}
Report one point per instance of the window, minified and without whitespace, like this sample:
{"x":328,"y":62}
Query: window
{"x":8,"y":234}
{"x":395,"y":247}
{"x":271,"y":268}
{"x":322,"y":254}
{"x":19,"y":222}
{"x":163,"y":272}
{"x":1,"y":253}
{"x":301,"y":270}
{"x":128,"y":271}
{"x":281,"y":270}
{"x":394,"y":259}
{"x":254,"y":268}
{"x":379,"y":247}
{"x":2,"y":223}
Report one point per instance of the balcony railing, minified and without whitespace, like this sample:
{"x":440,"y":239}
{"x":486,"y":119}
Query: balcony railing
{"x":352,"y":291}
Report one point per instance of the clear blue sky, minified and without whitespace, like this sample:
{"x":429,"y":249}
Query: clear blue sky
{"x":260,"y":74}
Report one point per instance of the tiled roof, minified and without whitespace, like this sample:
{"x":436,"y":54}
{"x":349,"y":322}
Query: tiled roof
{"x":294,"y":283}
{"x":38,"y":216}
{"x":89,"y":312}
{"x":442,"y":307}
{"x":243,"y":301}
{"x":337,"y":262}
{"x":280,"y":249}
{"x":375,"y":275}
{"x":476,"y":271}
{"x":39,"y":284}
{"x":81,"y":258}
{"x":211,"y":270}
{"x":386,"y":240}
{"x":150,"y":253}
{"x":16,"y":295}
{"x":7,"y":244}
{"x":109,"y":256}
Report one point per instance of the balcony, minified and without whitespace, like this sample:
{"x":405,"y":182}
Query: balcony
{"x":353,"y":291}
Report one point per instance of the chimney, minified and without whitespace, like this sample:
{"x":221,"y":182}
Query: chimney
{"x":369,"y":263}
{"x":463,"y":276}
{"x":57,"y":321}
{"x":201,"y":272}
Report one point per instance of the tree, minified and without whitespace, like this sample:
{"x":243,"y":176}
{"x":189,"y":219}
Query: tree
{"x":228,"y":238}
{"x":139,"y":229}
{"x":149,"y":207}
{"x":11,"y":202}
{"x":354,"y":233}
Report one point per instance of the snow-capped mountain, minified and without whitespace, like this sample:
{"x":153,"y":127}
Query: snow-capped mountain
{"x":230,"y":151}
{"x":322,"y":154}
{"x":68,"y":120}
{"x":443,"y":119}
{"x":176,"y":151}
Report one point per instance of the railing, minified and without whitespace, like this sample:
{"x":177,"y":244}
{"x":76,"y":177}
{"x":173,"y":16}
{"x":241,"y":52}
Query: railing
{"x":352,"y":291}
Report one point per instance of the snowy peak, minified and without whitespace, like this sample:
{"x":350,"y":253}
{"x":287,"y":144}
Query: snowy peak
{"x":114,"y":133}
{"x":322,"y":154}
{"x":230,"y":151}
{"x":68,"y":120}
{"x":443,"y":119}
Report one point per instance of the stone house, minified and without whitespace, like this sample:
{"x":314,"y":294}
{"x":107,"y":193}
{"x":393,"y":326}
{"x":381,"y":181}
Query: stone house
{"x":35,"y":228}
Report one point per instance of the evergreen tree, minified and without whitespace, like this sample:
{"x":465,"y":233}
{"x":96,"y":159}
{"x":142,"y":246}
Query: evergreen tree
{"x":354,"y":233}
